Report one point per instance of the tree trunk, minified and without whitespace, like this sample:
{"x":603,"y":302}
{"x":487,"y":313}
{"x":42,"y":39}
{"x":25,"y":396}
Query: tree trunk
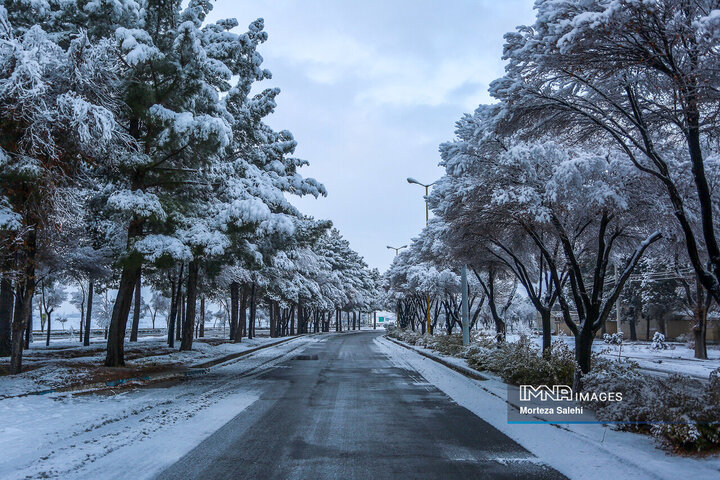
{"x":82,"y":319}
{"x":489,"y":288}
{"x":292,"y":321}
{"x":47,"y":339}
{"x":278,"y":320}
{"x":138,"y":306}
{"x":24,"y":291}
{"x":6,"y":313}
{"x":705,"y":203}
{"x":546,"y":320}
{"x":300,"y":316}
{"x":700,"y":327}
{"x":115,"y":356}
{"x":234,"y":298}
{"x":21,"y":324}
{"x":633,"y":330}
{"x":174,"y":300}
{"x":374,"y":320}
{"x":661,"y":323}
{"x":583,"y":355}
{"x":699,"y":334}
{"x":29,"y":330}
{"x":202,"y":317}
{"x":253,"y":309}
{"x":189,"y":320}
{"x":271,"y":313}
{"x":242,"y":325}
{"x":181,"y":313}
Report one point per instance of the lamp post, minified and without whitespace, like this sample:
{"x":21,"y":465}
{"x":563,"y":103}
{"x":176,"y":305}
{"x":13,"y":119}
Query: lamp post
{"x":397,"y":249}
{"x":427,"y":221}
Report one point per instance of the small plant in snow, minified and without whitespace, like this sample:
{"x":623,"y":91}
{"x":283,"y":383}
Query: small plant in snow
{"x":658,"y":342}
{"x":613,"y":339}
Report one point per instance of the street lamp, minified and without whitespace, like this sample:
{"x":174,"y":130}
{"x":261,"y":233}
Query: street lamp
{"x":427,"y":192}
{"x":427,"y":221}
{"x":397,"y":249}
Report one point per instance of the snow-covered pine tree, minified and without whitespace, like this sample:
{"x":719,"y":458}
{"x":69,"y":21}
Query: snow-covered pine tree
{"x":54,"y":123}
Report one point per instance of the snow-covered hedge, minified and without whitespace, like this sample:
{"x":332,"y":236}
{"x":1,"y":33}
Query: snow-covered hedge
{"x":444,"y":344}
{"x":522,"y":362}
{"x":518,"y":362}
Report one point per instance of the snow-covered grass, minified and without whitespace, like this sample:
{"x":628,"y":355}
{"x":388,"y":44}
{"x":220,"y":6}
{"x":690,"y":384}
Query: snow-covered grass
{"x":72,"y":364}
{"x":580,"y":451}
{"x":133,"y":434}
{"x":69,"y":338}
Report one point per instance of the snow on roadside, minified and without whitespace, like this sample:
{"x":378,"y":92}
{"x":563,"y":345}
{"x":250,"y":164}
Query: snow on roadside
{"x":678,"y":358}
{"x":59,"y":372}
{"x":580,"y":451}
{"x":131,"y":435}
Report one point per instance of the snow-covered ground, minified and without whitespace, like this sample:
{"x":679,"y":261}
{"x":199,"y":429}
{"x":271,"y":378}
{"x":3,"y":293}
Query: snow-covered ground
{"x":580,"y":451}
{"x":677,"y":358}
{"x":68,"y":363}
{"x":133,"y":434}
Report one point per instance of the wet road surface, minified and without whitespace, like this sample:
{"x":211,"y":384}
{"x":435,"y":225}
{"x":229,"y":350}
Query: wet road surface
{"x":341,"y":410}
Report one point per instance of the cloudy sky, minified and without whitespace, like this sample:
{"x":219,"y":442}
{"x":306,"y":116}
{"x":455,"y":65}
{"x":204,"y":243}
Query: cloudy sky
{"x":370,"y":89}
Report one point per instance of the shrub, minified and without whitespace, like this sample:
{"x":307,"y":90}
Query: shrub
{"x":613,"y":339}
{"x":407,"y":336}
{"x":450,"y":345}
{"x":658,"y":342}
{"x":523,"y":363}
{"x":682,"y":412}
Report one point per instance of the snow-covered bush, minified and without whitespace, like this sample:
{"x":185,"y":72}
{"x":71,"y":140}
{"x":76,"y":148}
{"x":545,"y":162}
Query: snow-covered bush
{"x":682,"y":412}
{"x":478,"y":346}
{"x":658,"y":342}
{"x":407,"y":336}
{"x":445,"y":344}
{"x":621,"y":376}
{"x":693,"y":413}
{"x":613,"y":339}
{"x":522,"y":362}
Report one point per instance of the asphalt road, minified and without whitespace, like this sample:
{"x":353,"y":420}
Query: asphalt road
{"x":341,"y":410}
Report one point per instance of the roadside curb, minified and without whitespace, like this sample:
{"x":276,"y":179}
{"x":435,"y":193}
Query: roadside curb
{"x":193,"y":371}
{"x":467,"y":371}
{"x":217,"y":361}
